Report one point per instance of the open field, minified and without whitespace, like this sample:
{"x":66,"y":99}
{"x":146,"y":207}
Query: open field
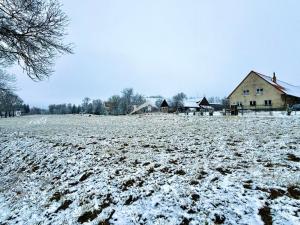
{"x":150,"y":169}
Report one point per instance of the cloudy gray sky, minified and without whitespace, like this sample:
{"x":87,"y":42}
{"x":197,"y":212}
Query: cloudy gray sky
{"x":166,"y":46}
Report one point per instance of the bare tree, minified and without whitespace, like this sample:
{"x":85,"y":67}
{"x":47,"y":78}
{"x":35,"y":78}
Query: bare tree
{"x":114,"y":105}
{"x":85,"y":104}
{"x":178,"y":100}
{"x":126,"y":100}
{"x":9,"y":103}
{"x":98,"y":107}
{"x":31,"y":34}
{"x":137,"y":99}
{"x":7,"y":81}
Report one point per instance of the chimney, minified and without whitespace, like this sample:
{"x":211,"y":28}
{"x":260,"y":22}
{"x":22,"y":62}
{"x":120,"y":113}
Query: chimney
{"x":274,"y":79}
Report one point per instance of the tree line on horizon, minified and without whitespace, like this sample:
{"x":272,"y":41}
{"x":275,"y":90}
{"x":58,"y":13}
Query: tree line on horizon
{"x":120,"y":104}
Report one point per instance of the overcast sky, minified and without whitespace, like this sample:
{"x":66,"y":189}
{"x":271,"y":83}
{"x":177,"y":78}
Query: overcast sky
{"x":168,"y":46}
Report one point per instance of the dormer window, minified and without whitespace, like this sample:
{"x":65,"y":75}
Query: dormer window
{"x":259,"y":91}
{"x":246,"y":92}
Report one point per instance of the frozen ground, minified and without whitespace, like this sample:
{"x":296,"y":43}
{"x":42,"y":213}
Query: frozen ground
{"x":150,"y":169}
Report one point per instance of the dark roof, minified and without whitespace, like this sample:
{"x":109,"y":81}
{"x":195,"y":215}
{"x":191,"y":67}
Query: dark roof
{"x":204,"y":102}
{"x":164,"y":103}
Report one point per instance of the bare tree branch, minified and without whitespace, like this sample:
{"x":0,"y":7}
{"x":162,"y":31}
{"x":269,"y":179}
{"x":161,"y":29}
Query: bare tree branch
{"x":31,"y":34}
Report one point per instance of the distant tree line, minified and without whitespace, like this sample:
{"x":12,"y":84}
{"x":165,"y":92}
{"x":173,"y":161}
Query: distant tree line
{"x":120,"y":104}
{"x":115,"y":105}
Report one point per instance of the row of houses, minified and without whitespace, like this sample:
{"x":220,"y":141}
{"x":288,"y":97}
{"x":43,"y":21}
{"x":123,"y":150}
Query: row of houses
{"x":255,"y":92}
{"x":193,"y":104}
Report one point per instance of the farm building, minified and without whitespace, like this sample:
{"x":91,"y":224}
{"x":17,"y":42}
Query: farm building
{"x":217,"y":106}
{"x":261,"y":92}
{"x":203,"y":102}
{"x":190,"y":104}
{"x":196,"y":105}
{"x":144,"y":108}
{"x":204,"y":105}
{"x":164,"y":107}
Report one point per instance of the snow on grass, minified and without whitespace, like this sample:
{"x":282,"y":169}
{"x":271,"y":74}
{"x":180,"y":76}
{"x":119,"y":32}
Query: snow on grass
{"x":150,"y":169}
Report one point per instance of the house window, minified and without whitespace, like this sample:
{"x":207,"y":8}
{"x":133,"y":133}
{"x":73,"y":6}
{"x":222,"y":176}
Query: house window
{"x":246,"y":92}
{"x":252,"y":103}
{"x":259,"y":91}
{"x":268,"y":102}
{"x":239,"y":104}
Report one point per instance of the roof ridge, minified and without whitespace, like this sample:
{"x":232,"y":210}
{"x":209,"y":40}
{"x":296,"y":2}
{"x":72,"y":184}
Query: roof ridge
{"x":277,"y":79}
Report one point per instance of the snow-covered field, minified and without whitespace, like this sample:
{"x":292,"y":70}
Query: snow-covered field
{"x":150,"y":169}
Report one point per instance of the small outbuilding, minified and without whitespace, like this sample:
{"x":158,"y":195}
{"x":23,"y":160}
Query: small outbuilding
{"x":190,"y":104}
{"x":203,"y":102}
{"x":205,"y":106}
{"x":193,"y":104}
{"x":164,"y":107}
